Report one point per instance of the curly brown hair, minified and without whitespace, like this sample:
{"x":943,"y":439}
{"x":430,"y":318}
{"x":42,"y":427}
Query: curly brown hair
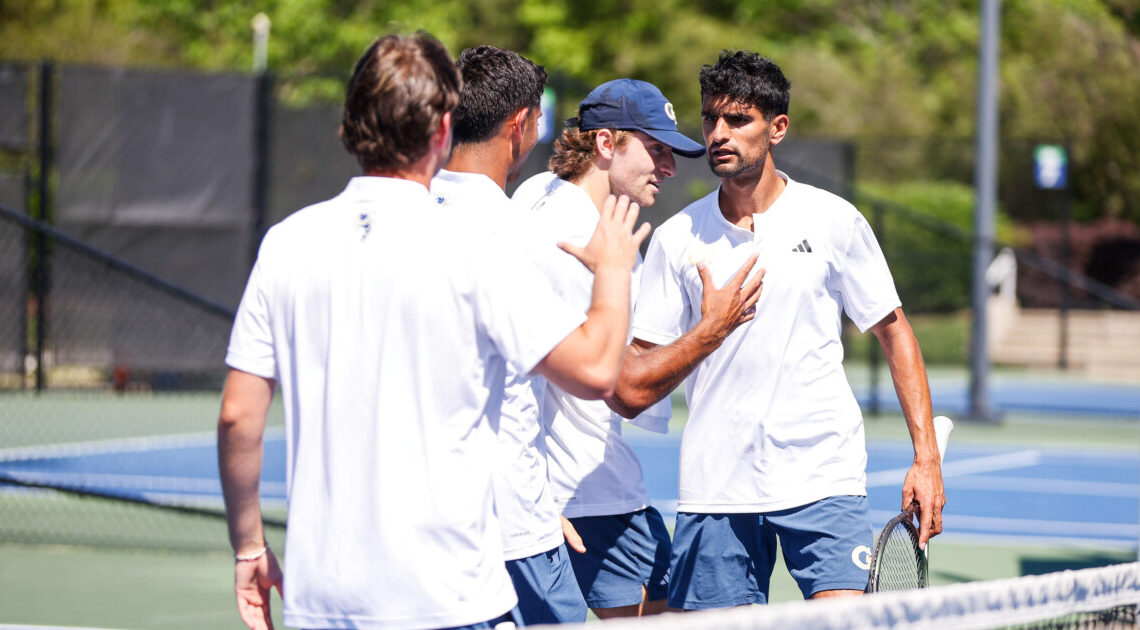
{"x":397,"y":96}
{"x":574,"y":151}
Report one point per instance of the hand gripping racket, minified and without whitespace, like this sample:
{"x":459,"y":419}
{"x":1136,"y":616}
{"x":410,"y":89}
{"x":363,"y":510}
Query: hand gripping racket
{"x":897,"y":563}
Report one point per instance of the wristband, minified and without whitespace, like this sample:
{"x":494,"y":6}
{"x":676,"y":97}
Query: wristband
{"x":250,"y":557}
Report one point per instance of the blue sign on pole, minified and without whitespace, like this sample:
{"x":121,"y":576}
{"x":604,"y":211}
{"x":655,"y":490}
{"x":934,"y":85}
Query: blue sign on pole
{"x":1050,"y":167}
{"x":546,"y":123}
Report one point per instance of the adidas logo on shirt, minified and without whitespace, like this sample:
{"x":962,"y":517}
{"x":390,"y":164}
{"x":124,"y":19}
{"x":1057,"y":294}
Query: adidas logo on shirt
{"x":802,"y":247}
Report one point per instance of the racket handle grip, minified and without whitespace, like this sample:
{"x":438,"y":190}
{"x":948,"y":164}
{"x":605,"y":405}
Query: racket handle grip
{"x":942,"y":428}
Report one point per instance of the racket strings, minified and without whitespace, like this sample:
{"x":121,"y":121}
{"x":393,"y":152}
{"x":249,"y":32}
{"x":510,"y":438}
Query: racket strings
{"x":898,"y":563}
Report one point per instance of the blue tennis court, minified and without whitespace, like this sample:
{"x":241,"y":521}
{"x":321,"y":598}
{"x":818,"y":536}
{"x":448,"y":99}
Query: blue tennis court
{"x":1013,"y":394}
{"x":1001,"y":495}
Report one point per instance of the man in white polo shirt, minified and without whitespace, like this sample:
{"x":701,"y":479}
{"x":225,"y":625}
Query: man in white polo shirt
{"x":622,"y":142}
{"x":389,"y":328}
{"x":496,"y":127}
{"x":774,"y":445}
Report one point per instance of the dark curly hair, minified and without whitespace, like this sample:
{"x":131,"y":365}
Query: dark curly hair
{"x":746,"y":77}
{"x":496,"y":84}
{"x":396,"y":98}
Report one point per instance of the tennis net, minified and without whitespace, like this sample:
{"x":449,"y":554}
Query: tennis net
{"x":1103,"y":598}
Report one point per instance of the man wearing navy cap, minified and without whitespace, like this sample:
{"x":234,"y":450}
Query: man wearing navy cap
{"x":622,"y":143}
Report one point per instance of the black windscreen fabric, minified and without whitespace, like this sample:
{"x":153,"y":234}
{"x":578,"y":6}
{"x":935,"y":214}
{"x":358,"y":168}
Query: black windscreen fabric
{"x":13,"y":300}
{"x":103,"y":320}
{"x":13,"y":191}
{"x":14,"y":107}
{"x":308,"y":162}
{"x":148,"y":159}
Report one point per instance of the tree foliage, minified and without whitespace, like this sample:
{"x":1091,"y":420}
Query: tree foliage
{"x":863,"y":69}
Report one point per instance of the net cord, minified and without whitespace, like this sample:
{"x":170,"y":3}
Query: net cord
{"x":965,"y":606}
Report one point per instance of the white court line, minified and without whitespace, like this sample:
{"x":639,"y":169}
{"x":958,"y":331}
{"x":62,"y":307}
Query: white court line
{"x":1023,"y":526}
{"x":989,"y":463}
{"x":1047,"y":486}
{"x":1007,"y":541}
{"x":121,"y":445}
{"x":194,"y":500}
{"x":142,"y":483}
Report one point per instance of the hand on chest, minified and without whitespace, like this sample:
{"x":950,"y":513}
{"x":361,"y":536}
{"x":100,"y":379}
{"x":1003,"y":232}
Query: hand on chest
{"x":797,"y":265}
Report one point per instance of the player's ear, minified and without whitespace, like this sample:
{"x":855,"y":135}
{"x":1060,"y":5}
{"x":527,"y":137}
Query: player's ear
{"x":778,"y":128}
{"x":518,"y":124}
{"x":444,"y":129}
{"x":604,"y":144}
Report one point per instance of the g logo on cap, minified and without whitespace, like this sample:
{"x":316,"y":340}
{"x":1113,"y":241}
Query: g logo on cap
{"x":669,"y":111}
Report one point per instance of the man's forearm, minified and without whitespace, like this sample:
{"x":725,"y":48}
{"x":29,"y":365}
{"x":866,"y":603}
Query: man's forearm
{"x":241,"y":424}
{"x":650,"y":373}
{"x":908,"y":371}
{"x":587,"y":362}
{"x":239,"y":460}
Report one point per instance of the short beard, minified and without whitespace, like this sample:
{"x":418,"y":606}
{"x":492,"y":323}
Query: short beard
{"x":728,"y":172}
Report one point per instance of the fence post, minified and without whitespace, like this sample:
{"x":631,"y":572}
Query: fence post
{"x":22,"y":295}
{"x":263,"y":111}
{"x":873,"y":352}
{"x":1067,"y":278}
{"x":41,"y":277}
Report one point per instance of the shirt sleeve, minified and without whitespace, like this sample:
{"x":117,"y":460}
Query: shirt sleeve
{"x":251,"y":341}
{"x":663,"y":308}
{"x":656,"y":418}
{"x":517,"y":308}
{"x":865,"y":281}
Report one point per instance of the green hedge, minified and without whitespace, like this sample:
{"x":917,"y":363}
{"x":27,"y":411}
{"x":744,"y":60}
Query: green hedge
{"x":925,"y":229}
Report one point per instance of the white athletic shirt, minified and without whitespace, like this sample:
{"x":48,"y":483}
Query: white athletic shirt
{"x":388,"y":330}
{"x":524,"y":502}
{"x":593,"y":470}
{"x":772,"y":420}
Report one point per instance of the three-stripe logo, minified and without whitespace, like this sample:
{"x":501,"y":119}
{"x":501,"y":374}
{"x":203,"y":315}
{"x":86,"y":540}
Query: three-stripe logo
{"x":802,"y":247}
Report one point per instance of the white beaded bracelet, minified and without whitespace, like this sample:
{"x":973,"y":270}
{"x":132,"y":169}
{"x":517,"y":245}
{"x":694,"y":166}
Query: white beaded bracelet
{"x":250,"y":557}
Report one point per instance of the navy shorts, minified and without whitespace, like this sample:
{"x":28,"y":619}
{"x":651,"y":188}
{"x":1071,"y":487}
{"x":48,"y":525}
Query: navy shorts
{"x":547,"y":590}
{"x":624,"y":552}
{"x":724,"y":560}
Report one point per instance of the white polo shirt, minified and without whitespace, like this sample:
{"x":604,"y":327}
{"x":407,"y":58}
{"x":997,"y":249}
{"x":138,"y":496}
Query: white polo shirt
{"x":772,"y":420}
{"x":524,"y":502}
{"x":593,"y":470}
{"x":389,"y":331}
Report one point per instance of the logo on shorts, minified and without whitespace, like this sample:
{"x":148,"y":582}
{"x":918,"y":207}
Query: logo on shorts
{"x":669,"y":111}
{"x":861,"y":556}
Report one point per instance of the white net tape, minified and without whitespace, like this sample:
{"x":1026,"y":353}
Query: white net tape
{"x":966,"y":606}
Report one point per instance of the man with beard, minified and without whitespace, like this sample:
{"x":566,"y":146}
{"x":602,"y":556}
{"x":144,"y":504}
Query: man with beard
{"x":774,"y":446}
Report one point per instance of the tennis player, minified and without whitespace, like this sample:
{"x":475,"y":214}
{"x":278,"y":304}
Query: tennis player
{"x":496,"y":127}
{"x":774,"y":446}
{"x":623,"y":142}
{"x":389,"y":328}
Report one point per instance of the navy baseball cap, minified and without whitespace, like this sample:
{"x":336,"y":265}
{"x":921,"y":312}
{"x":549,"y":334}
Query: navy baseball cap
{"x":630,"y":104}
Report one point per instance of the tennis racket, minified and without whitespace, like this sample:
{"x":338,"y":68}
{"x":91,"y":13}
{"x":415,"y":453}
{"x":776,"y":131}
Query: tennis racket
{"x":897,"y":563}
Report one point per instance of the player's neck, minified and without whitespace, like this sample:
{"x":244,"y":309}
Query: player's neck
{"x":482,"y":158}
{"x":417,"y":172}
{"x":748,"y":194}
{"x":422,"y":170}
{"x":596,"y":183}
